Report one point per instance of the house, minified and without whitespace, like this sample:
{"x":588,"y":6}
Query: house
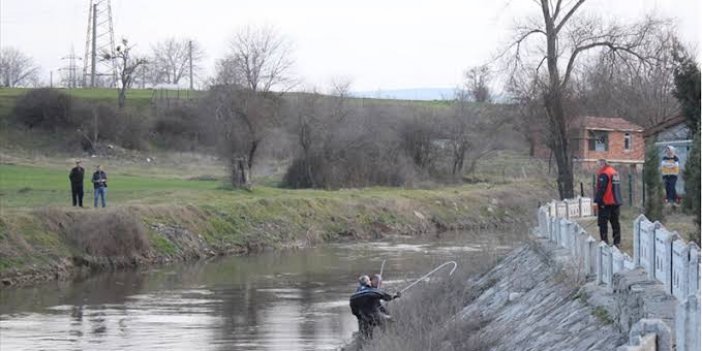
{"x":612,"y":138}
{"x":592,"y":138}
{"x":672,"y":131}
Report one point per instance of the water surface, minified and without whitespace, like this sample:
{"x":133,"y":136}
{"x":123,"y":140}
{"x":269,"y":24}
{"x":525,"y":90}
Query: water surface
{"x":295,"y":300}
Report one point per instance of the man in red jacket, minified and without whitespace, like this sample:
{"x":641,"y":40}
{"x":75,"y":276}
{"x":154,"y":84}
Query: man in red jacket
{"x":608,"y":199}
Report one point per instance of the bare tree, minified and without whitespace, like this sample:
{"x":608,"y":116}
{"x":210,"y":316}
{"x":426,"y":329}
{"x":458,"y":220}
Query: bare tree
{"x":258,"y":62}
{"x":171,"y":59}
{"x":16,"y":68}
{"x":471,"y":131}
{"x":476,"y":82}
{"x":563,"y":35}
{"x":636,"y":91}
{"x":127,"y":66}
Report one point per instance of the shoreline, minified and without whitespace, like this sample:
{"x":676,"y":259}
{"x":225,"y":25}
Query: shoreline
{"x":56,"y":243}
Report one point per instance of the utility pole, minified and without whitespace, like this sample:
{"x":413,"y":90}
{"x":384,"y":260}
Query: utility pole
{"x":190,"y":56}
{"x":93,"y":55}
{"x":51,"y":79}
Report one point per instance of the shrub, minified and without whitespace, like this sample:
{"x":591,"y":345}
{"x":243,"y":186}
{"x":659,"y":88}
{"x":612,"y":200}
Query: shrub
{"x":109,"y":234}
{"x":43,"y":108}
{"x":653,"y":207}
{"x":691,"y":174}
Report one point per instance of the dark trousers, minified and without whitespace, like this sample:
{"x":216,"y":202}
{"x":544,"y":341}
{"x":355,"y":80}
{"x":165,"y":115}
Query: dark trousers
{"x":609,"y":213}
{"x":670,"y":194}
{"x":365,"y":328}
{"x":77,"y":194}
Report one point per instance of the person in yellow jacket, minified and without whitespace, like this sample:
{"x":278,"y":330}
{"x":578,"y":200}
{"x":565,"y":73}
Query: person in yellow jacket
{"x":670,"y":168}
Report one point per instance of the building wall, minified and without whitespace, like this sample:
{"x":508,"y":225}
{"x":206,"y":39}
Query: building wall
{"x":616,"y":151}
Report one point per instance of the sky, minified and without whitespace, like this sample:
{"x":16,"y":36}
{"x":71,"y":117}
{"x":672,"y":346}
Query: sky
{"x":373,"y":44}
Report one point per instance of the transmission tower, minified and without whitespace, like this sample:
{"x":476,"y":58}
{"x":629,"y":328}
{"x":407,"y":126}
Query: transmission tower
{"x":71,"y":69}
{"x":99,"y":40}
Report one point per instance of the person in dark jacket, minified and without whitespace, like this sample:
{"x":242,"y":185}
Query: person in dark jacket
{"x":608,"y":199}
{"x":364,"y":305}
{"x":376,"y":281}
{"x":364,"y":282}
{"x":76,"y":178}
{"x":100,"y":185}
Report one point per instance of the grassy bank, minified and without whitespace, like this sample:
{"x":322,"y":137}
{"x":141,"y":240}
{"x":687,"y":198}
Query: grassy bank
{"x":158,"y":216}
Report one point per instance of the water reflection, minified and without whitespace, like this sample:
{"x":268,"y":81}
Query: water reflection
{"x":289,"y":301}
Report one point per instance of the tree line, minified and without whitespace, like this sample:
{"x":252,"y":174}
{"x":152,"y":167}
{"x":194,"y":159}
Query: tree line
{"x":569,"y":64}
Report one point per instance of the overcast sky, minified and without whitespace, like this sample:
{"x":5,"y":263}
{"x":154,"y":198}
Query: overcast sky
{"x":376,"y":44}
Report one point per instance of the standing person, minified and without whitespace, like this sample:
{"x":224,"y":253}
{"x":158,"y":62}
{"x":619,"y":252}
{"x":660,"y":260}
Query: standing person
{"x":608,"y":199}
{"x":364,"y":282}
{"x":383,"y":315}
{"x":76,"y":178}
{"x":364,"y":305}
{"x":670,"y":168}
{"x":100,"y":185}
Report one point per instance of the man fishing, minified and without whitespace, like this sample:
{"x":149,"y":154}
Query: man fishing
{"x":366,"y":306}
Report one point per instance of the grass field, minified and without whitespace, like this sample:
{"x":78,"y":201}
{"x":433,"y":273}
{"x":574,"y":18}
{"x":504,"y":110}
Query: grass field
{"x":39,"y":228}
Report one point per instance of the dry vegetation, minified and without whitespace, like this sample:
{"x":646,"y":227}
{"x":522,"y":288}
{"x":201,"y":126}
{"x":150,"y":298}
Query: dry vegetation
{"x":424,"y":318}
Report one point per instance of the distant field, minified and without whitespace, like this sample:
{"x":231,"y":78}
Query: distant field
{"x":136,"y":97}
{"x":26,"y":186}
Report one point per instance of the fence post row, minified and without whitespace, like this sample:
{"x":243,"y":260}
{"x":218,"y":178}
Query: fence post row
{"x":662,"y":254}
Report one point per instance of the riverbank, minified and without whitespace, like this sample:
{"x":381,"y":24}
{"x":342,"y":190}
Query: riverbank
{"x":184,"y":223}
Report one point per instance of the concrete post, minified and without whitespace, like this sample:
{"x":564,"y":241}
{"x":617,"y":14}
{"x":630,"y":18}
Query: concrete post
{"x":617,"y":260}
{"x":643,"y":327}
{"x":687,"y":324}
{"x":681,"y":265}
{"x":586,"y":207}
{"x":573,"y":236}
{"x":563,"y":233}
{"x":590,"y":257}
{"x":651,"y":269}
{"x":637,"y":240}
{"x":668,"y":261}
{"x":693,"y":270}
{"x":561,"y":211}
{"x":603,"y":263}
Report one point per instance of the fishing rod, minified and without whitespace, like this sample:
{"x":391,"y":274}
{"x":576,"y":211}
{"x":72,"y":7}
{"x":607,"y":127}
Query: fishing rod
{"x":381,"y":268}
{"x":455,"y":265}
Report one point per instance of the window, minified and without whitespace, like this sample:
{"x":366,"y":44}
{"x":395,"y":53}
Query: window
{"x":598,"y":140}
{"x":627,"y":141}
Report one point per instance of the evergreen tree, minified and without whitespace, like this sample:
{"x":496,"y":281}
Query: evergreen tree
{"x":653,"y":206}
{"x":687,"y":91}
{"x":691,"y":174}
{"x":687,"y":88}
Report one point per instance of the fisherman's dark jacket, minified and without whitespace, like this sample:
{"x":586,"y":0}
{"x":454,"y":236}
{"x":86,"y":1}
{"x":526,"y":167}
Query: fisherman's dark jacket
{"x":365,"y":302}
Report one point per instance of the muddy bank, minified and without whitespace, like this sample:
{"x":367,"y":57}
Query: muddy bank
{"x":60,"y":243}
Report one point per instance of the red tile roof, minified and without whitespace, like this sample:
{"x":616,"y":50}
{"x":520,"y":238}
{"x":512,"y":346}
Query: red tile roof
{"x":607,"y":123}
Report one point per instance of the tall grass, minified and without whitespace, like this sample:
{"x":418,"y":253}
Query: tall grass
{"x":424,"y":317}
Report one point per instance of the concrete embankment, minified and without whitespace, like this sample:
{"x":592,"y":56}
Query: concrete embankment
{"x":536,"y":299}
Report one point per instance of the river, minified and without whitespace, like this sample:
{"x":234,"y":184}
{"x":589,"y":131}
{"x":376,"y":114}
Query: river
{"x":291,"y":300}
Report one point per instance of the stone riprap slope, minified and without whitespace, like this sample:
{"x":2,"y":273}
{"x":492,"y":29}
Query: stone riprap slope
{"x":535,"y":302}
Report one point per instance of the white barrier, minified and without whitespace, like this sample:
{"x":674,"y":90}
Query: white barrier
{"x":662,"y":254}
{"x":585,"y":207}
{"x":561,"y":211}
{"x":663,"y":257}
{"x":687,"y":324}
{"x":572,"y":208}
